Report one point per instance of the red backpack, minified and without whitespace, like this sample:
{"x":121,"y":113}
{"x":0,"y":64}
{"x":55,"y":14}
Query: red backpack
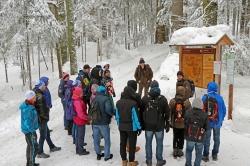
{"x":211,"y":108}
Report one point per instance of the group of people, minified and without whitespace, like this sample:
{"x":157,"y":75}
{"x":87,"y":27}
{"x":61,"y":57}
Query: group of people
{"x":88,"y":100}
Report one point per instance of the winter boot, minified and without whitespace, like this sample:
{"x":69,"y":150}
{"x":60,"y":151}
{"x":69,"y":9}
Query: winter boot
{"x":175,"y":153}
{"x":215,"y":157}
{"x":99,"y":156}
{"x":149,"y":162}
{"x":30,"y":164}
{"x":205,"y":158}
{"x":133,"y":163}
{"x":124,"y":162}
{"x":109,"y":158}
{"x":85,"y":152}
{"x":180,"y":153}
{"x":54,"y":149}
{"x":43,"y":155}
{"x":161,"y":162}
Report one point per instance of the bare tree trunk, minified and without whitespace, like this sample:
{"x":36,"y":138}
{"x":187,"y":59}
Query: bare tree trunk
{"x":210,"y":10}
{"x":6,"y":69}
{"x":32,"y":53}
{"x":128,"y":17}
{"x":38,"y":57}
{"x":59,"y":61}
{"x":52,"y":58}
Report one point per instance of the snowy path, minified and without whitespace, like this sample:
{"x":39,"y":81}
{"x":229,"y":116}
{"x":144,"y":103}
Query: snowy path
{"x":12,"y":153}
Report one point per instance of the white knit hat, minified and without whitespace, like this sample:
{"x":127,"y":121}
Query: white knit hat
{"x":197,"y":103}
{"x":29,"y":95}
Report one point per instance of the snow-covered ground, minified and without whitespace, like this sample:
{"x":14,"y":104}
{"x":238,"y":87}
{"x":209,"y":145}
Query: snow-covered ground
{"x":235,"y":140}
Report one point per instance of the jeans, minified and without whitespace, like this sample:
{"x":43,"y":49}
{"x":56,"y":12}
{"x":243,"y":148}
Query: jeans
{"x":65,"y":122}
{"x":130,"y":138}
{"x":159,"y":136}
{"x":216,"y":137}
{"x":44,"y":135}
{"x":32,"y":147}
{"x":79,"y":139}
{"x":98,"y":131}
{"x":178,"y":141}
{"x":198,"y":153}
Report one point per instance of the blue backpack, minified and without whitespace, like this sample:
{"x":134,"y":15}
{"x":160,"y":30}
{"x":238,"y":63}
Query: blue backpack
{"x":70,"y":112}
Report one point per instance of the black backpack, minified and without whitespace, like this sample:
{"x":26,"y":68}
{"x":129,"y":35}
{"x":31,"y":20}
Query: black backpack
{"x":179,"y":111}
{"x":211,"y":108}
{"x":195,"y":130}
{"x":152,"y":114}
{"x":192,"y":87}
{"x":95,"y":114}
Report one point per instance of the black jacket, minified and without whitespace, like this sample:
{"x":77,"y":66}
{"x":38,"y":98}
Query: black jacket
{"x":164,"y":109}
{"x":41,"y":106}
{"x":202,"y":123}
{"x":129,"y":99}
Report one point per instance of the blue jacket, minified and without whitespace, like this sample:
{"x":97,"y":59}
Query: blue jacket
{"x":46,"y":93}
{"x":212,"y":92}
{"x":29,"y":118}
{"x":106,"y":106}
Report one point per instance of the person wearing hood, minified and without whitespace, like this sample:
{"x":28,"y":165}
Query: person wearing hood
{"x":178,"y":106}
{"x":129,"y":122}
{"x":29,"y":125}
{"x":47,"y":94}
{"x":43,"y":116}
{"x":100,"y":126}
{"x":143,"y":76}
{"x":155,"y":120}
{"x":214,"y":105}
{"x":80,"y":120}
{"x":61,"y":94}
{"x":196,"y":123}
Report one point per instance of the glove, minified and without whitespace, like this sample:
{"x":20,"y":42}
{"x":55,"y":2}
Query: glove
{"x":167,"y":126}
{"x":138,"y":132}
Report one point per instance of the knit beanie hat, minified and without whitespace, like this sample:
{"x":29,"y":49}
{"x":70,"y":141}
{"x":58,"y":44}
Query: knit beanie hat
{"x":197,"y":103}
{"x":141,"y":61}
{"x":132,"y":84}
{"x":154,"y":84}
{"x":65,"y":75}
{"x":29,"y":95}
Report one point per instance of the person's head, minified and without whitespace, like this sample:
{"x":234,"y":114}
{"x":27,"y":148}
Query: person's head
{"x":106,"y":67}
{"x":30,"y":97}
{"x":212,"y":87}
{"x":154,"y":89}
{"x":132,"y":84}
{"x":65,"y":76}
{"x":107,"y":73}
{"x":142,"y":63}
{"x":86,"y":68}
{"x":101,"y":90}
{"x":180,"y":75}
{"x":197,"y":104}
{"x":40,"y":85}
{"x":45,"y":80}
{"x":77,"y":92}
{"x":77,"y":83}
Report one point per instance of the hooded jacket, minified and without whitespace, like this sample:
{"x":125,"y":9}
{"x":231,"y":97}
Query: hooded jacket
{"x":212,"y":90}
{"x":155,"y":94}
{"x":180,"y":95}
{"x":29,"y":119}
{"x":105,"y":105}
{"x":41,"y":106}
{"x":80,"y":108}
{"x":46,"y":93}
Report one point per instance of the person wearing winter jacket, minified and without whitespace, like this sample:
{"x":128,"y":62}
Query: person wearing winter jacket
{"x":101,"y":126}
{"x":178,"y":106}
{"x":196,"y":123}
{"x":155,"y":120}
{"x":80,"y":120}
{"x":47,"y":94}
{"x":129,"y":123}
{"x":143,"y":76}
{"x":68,"y":105}
{"x":43,"y":116}
{"x":61,"y":94}
{"x":29,"y":125}
{"x":214,"y":123}
{"x":108,"y":82}
{"x":181,"y":81}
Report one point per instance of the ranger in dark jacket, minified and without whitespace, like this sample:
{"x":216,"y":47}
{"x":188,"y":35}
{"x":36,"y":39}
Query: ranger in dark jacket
{"x":143,"y":76}
{"x":196,"y":124}
{"x":155,"y":120}
{"x":43,"y":116}
{"x":129,"y":122}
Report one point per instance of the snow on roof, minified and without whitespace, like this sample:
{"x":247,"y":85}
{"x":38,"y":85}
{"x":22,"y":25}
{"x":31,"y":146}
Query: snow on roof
{"x":199,"y":36}
{"x":52,"y":2}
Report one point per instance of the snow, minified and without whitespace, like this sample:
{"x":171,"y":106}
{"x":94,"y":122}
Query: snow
{"x":235,"y":142}
{"x":204,"y":35}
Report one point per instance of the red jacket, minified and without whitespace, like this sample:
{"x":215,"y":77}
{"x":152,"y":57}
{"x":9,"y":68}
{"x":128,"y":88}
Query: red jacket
{"x":80,"y":107}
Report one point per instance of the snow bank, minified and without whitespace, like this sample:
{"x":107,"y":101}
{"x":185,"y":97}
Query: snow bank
{"x":203,"y":35}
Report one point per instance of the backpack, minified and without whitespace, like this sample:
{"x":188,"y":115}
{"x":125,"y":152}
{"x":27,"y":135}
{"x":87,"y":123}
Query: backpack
{"x":195,"y":130}
{"x":179,"y":111}
{"x":152,"y":114}
{"x":70,"y":112}
{"x":211,"y":108}
{"x":95,"y":114}
{"x":192,"y":87}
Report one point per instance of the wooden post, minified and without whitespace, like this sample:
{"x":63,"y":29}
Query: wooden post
{"x":180,"y":57}
{"x":218,"y":58}
{"x":230,"y":102}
